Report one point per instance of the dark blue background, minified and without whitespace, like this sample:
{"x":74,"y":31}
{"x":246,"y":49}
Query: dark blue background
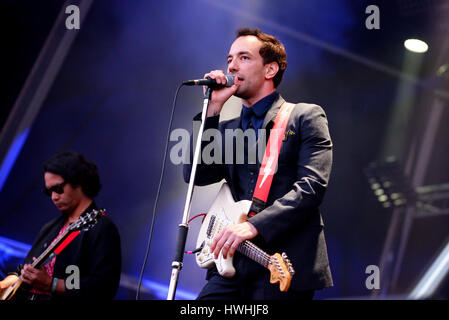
{"x":112,"y":98}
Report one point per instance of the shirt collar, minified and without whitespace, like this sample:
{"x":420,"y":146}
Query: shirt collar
{"x":261,"y":107}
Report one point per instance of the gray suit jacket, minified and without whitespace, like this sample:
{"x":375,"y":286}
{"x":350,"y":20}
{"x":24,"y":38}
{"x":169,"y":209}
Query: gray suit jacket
{"x":291,"y":221}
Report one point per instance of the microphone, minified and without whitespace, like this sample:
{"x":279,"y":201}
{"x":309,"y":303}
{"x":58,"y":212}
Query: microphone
{"x":210,"y":82}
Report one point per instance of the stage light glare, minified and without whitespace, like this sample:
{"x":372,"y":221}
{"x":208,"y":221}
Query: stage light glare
{"x":375,"y":186}
{"x":416,"y":45}
{"x":387,"y":184}
{"x":395,"y":196}
{"x":386,"y":204}
{"x":379,"y":192}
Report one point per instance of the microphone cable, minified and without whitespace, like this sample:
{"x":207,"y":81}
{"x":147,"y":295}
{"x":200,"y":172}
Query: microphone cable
{"x":157,"y":194}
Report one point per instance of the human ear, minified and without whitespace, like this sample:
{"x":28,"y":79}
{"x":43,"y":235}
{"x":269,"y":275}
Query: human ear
{"x":271,"y":69}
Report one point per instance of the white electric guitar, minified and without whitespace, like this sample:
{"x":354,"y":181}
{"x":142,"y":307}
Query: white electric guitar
{"x":224,"y":212}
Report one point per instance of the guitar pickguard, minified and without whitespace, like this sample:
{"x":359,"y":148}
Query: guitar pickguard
{"x":223,"y":212}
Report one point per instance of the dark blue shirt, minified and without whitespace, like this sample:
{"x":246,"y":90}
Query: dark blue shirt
{"x":246,"y":173}
{"x":253,"y":117}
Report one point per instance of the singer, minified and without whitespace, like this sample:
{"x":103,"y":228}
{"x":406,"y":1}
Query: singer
{"x":290,"y":221}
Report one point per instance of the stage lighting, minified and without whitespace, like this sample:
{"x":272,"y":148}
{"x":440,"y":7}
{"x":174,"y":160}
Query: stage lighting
{"x":416,"y":45}
{"x":389,"y":184}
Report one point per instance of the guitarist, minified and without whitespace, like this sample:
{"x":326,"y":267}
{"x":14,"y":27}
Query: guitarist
{"x":290,"y":221}
{"x":72,"y":182}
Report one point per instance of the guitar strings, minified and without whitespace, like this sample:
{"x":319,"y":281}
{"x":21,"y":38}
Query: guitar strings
{"x":246,"y":247}
{"x":254,"y":252}
{"x":43,"y":254}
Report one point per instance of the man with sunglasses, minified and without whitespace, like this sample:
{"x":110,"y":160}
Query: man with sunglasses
{"x":72,"y":182}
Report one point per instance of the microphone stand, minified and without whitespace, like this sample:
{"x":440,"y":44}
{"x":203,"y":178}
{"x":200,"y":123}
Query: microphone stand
{"x":183,"y":227}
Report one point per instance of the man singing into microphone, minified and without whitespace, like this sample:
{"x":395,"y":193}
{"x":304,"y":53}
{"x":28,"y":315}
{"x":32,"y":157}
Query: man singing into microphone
{"x":290,"y":221}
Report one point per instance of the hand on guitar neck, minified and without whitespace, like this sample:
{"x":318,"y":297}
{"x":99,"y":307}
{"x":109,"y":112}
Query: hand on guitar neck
{"x":230,"y":237}
{"x":37,"y":278}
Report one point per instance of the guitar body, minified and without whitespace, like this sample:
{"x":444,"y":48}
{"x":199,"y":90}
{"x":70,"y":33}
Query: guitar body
{"x":19,"y":291}
{"x":223,"y":212}
{"x":12,"y":291}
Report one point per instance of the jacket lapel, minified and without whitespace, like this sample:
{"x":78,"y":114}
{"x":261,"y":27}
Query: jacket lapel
{"x":273,"y":111}
{"x":235,"y":124}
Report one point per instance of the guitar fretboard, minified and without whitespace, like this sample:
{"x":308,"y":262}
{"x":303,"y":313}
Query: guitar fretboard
{"x":36,"y":263}
{"x":85,"y":221}
{"x":253,"y":252}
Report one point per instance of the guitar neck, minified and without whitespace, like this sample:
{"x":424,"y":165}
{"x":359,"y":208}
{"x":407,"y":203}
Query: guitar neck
{"x":38,"y":262}
{"x":253,"y":252}
{"x":84,"y":222}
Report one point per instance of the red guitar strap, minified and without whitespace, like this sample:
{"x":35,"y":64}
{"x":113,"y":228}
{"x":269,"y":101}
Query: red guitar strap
{"x":66,"y":241}
{"x":270,"y":159}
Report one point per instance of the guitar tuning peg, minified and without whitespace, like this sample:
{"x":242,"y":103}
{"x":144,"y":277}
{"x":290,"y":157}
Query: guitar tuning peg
{"x":291,"y":270}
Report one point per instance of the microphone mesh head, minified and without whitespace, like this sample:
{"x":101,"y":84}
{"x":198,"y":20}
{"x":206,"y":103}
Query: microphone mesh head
{"x":229,"y":80}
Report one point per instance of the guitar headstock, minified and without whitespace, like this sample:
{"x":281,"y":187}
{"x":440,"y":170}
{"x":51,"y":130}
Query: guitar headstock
{"x":281,"y":271}
{"x":87,"y":221}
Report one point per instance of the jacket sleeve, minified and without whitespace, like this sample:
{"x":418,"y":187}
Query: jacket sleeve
{"x":313,"y":169}
{"x":103,"y":251}
{"x":35,"y":251}
{"x":206,"y":173}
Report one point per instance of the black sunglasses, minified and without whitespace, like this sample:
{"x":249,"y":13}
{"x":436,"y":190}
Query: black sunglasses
{"x":59,"y":189}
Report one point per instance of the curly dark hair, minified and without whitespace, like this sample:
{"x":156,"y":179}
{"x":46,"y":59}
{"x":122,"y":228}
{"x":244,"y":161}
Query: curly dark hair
{"x":272,"y":50}
{"x":75,"y":169}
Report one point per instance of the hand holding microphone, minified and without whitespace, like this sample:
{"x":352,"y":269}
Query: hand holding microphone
{"x":213,"y":83}
{"x":224,"y":87}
